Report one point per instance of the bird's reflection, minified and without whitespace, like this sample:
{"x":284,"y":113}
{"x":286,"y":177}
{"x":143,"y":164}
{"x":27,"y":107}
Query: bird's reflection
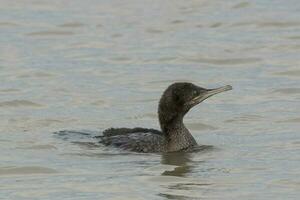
{"x":182,"y":160}
{"x":185,"y":164}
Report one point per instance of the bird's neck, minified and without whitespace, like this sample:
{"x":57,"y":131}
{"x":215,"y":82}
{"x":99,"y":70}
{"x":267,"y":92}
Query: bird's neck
{"x":177,"y":135}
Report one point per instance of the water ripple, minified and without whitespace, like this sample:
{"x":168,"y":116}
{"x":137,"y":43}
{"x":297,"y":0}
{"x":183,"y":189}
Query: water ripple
{"x":8,"y":24}
{"x":225,"y":61}
{"x":289,"y":73}
{"x":26,"y":170}
{"x":241,"y":5}
{"x":71,"y":25}
{"x":287,"y":91}
{"x":51,"y":33}
{"x":19,"y":103}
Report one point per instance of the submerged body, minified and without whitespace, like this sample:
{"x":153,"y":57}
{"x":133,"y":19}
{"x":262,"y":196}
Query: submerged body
{"x":175,"y":102}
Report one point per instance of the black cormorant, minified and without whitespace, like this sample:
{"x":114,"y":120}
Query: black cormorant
{"x":175,"y":102}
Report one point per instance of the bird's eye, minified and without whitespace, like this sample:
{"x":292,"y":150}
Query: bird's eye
{"x":195,"y":92}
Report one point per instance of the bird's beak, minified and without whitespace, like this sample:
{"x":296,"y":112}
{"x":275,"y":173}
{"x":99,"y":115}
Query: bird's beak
{"x":209,"y":93}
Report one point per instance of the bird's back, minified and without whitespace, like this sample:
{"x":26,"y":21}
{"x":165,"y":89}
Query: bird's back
{"x":134,"y":139}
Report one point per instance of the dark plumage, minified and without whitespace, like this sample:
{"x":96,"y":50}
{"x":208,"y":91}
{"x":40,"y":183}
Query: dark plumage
{"x":175,"y":102}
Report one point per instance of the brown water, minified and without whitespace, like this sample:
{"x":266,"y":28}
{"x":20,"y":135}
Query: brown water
{"x":98,"y":64}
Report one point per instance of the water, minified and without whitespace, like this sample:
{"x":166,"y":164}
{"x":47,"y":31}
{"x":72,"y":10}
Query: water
{"x":90,"y":65}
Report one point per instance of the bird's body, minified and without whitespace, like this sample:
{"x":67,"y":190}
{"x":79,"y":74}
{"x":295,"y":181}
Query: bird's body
{"x":135,"y":139}
{"x":175,"y":102}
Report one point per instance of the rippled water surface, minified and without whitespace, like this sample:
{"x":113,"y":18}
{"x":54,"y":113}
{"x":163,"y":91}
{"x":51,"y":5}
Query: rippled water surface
{"x":90,"y":65}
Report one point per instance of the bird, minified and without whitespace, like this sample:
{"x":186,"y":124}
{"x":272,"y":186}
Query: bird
{"x":174,"y":136}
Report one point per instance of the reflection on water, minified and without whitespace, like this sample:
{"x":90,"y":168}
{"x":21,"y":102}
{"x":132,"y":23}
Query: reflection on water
{"x":183,"y":167}
{"x":99,"y":64}
{"x":180,"y":159}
